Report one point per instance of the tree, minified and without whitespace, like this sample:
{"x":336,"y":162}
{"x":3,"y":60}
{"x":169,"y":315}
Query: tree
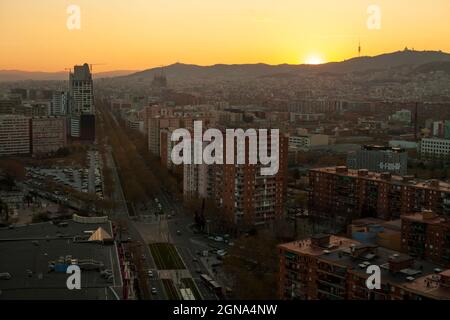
{"x":252,"y":264}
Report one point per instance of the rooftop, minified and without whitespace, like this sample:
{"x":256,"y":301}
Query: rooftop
{"x":425,"y":217}
{"x":306,"y":247}
{"x":375,"y":176}
{"x":28,"y":252}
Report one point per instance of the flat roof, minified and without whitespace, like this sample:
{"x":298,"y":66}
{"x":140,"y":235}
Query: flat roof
{"x":306,"y":247}
{"x":421,"y":217}
{"x":25,"y":253}
{"x":376,"y":176}
{"x":381,"y":259}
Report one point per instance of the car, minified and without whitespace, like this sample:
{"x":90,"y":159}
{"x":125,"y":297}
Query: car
{"x":195,"y":260}
{"x":150,"y":273}
{"x":218,"y":239}
{"x":154,"y":291}
{"x":178,"y":232}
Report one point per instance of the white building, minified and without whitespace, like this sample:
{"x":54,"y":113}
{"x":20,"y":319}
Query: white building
{"x":435,"y":148}
{"x":304,"y":142}
{"x":59,"y":103}
{"x":403,"y":115}
{"x":14,"y":135}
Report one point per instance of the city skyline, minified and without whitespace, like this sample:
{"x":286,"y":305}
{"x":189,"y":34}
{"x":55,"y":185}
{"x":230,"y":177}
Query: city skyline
{"x":153,"y":34}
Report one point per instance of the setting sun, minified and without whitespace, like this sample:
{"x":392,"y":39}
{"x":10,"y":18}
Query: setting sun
{"x":314,"y":60}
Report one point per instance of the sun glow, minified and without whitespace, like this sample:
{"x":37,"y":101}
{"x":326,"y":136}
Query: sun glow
{"x":314,"y":59}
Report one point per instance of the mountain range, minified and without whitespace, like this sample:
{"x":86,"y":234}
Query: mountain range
{"x":419,"y":61}
{"x":18,"y":75}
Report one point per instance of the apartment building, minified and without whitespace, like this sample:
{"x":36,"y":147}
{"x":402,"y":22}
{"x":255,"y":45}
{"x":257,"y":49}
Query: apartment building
{"x":158,"y":123}
{"x":304,"y":142}
{"x":307,"y":117}
{"x":60,"y":103}
{"x":340,"y":195}
{"x":335,"y":268}
{"x":14,"y":135}
{"x":435,"y":148}
{"x":427,"y":236}
{"x":316,"y":106}
{"x":247,"y":197}
{"x":48,"y":134}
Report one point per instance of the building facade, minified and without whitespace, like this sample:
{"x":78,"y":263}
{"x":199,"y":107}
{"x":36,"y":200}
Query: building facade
{"x":14,"y":135}
{"x":379,"y":159}
{"x":335,"y":268}
{"x":340,"y":195}
{"x":427,"y":236}
{"x":435,"y":148}
{"x":48,"y":134}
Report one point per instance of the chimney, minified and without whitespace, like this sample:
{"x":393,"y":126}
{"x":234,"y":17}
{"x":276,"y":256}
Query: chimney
{"x":320,"y":240}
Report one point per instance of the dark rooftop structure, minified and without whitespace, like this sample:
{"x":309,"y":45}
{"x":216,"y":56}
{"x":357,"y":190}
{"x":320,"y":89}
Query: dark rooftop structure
{"x":35,"y":257}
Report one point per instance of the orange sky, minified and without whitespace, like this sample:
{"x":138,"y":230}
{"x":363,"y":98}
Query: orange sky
{"x":137,"y":34}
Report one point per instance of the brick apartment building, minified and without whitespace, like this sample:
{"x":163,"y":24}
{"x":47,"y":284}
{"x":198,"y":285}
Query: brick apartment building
{"x":334,"y":268}
{"x":246,"y":197}
{"x":341,"y":195}
{"x":427,"y":236}
{"x":48,"y":134}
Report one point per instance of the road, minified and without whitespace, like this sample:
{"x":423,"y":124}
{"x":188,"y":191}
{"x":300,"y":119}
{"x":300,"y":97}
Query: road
{"x":189,"y":244}
{"x":121,"y":213}
{"x":186,"y":242}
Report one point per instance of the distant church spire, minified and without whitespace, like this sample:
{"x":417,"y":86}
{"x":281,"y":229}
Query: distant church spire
{"x":359,"y":49}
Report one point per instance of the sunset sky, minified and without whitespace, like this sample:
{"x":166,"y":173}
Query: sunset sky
{"x":138,"y":34}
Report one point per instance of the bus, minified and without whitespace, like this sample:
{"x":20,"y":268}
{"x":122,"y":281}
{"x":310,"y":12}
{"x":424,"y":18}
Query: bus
{"x":212,"y":284}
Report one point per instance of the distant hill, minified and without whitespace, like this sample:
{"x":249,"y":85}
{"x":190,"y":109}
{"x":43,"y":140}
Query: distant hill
{"x":421,"y":60}
{"x":380,"y":62}
{"x":18,"y":75}
{"x":433,"y":66}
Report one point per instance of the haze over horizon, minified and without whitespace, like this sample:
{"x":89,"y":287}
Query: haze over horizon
{"x":160,"y":32}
